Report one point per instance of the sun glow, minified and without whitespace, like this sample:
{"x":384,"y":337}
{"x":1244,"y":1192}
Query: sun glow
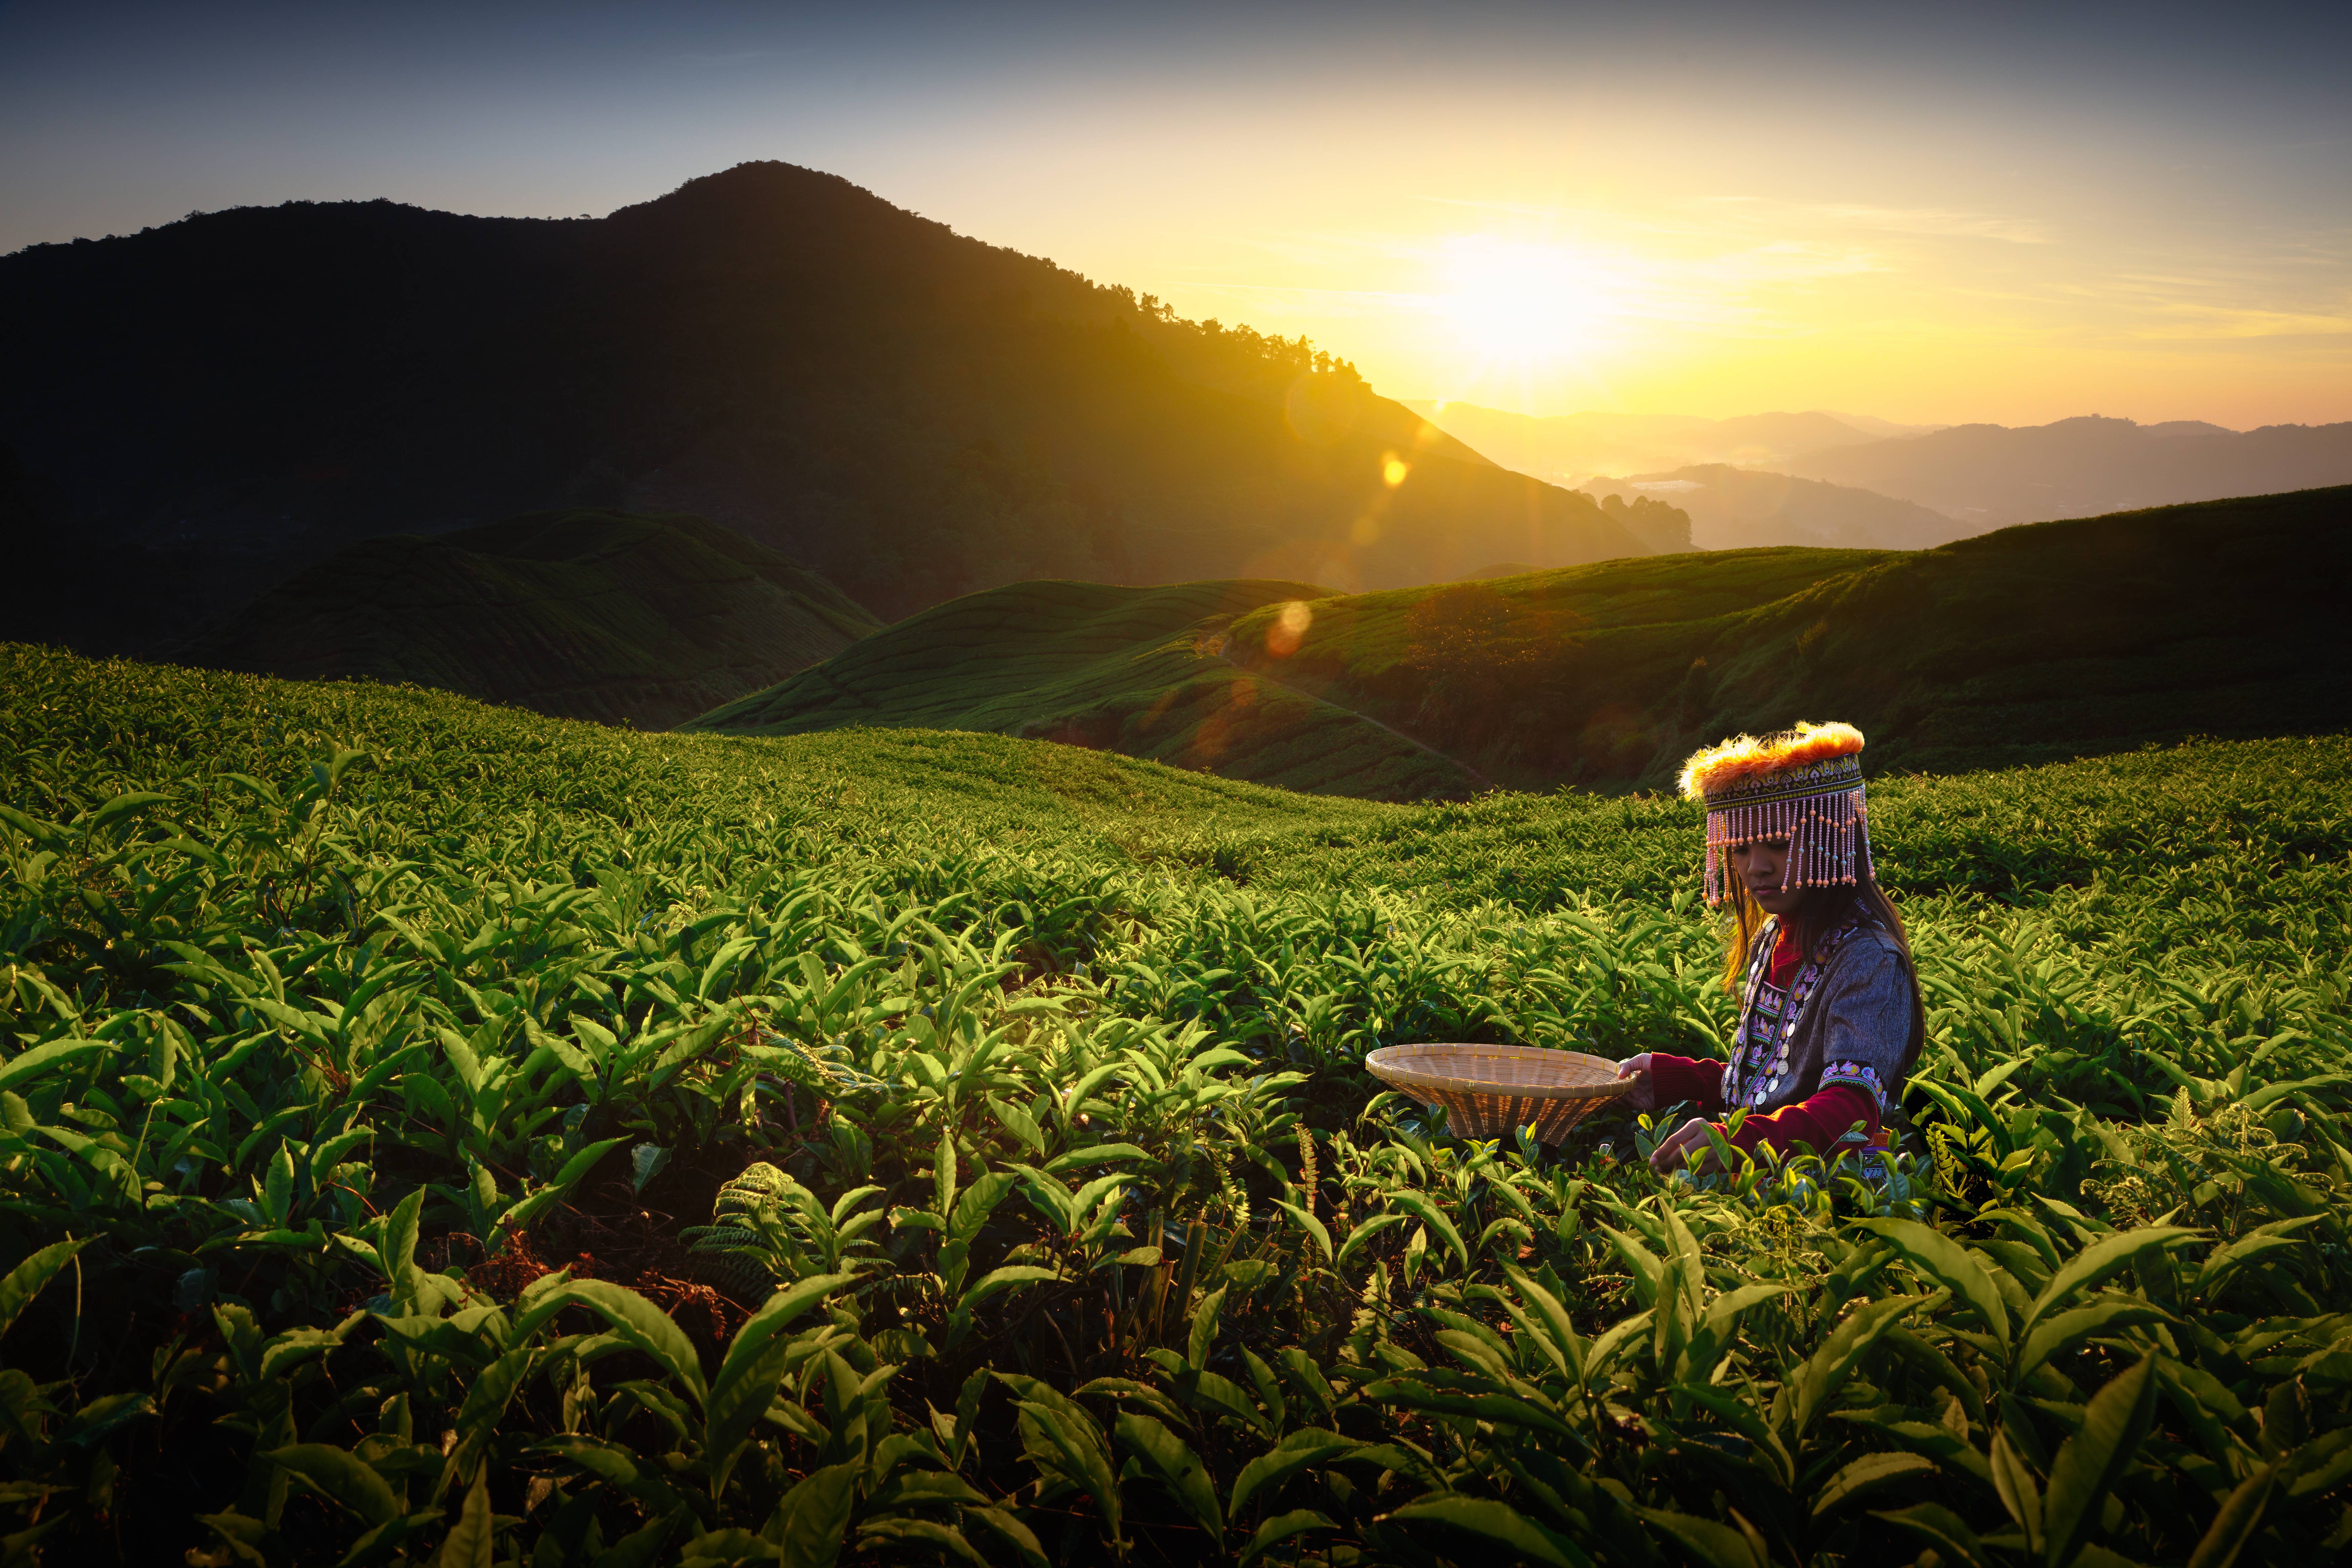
{"x":1507,"y":301}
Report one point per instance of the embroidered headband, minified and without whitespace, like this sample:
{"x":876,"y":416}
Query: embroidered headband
{"x":1804,"y":785}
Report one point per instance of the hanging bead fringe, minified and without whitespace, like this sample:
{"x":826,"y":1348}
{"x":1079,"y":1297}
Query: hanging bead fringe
{"x":1828,"y":835}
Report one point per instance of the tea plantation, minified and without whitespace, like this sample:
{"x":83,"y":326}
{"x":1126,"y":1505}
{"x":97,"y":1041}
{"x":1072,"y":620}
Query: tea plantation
{"x":437,"y":1134}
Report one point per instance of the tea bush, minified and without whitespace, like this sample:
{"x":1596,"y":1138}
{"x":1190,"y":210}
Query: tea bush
{"x":435,"y":1132}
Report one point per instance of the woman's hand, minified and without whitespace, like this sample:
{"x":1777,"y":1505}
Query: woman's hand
{"x":1673,"y":1151}
{"x":1643,"y":1096}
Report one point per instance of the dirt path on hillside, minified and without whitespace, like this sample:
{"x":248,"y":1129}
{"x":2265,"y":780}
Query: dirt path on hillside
{"x":1482,"y":779}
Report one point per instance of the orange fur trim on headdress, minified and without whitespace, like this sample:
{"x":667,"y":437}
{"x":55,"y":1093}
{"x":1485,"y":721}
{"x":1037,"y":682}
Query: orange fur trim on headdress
{"x":1745,"y":757}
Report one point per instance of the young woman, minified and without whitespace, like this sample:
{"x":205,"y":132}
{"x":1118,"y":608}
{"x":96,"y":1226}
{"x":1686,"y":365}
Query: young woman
{"x":1831,"y":1017}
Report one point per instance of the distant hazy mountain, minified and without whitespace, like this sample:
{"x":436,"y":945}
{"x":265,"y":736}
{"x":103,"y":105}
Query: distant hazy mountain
{"x":1989,"y":475}
{"x":1740,"y":509}
{"x":583,"y":615}
{"x":206,"y":405}
{"x":1879,"y":429}
{"x":1570,"y":449}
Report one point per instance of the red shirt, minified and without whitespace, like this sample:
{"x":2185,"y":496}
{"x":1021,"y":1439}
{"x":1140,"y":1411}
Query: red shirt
{"x":1820,"y":1119}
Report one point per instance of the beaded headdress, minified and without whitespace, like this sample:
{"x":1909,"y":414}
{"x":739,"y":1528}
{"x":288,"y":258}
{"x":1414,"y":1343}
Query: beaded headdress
{"x":1804,"y":785}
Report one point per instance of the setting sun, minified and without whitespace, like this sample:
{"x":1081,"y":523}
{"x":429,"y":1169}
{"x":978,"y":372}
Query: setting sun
{"x":1507,"y":300}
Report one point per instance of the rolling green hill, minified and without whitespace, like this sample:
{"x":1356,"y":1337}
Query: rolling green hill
{"x":581,"y":614}
{"x":2035,"y":643}
{"x":1126,"y":670}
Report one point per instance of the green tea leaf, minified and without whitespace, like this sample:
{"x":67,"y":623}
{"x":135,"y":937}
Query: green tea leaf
{"x":1296,"y":1451}
{"x":1421,"y":1208}
{"x":1173,"y":1462}
{"x":25,"y":1065}
{"x":2056,"y":1336}
{"x":1363,"y":1232}
{"x":123,"y":807}
{"x":1204,"y":1328}
{"x":1283,"y":1527}
{"x":1943,"y":1259}
{"x":1944,"y":1530}
{"x":1828,"y":1367}
{"x":2240,"y":1516}
{"x":640,"y":1324}
{"x":24,"y":1281}
{"x":813,"y":1516}
{"x":342,"y":1476}
{"x":1498,"y":1524}
{"x":472,"y":1540}
{"x":2090,"y":1462}
{"x":1717,"y":1545}
{"x":1011,"y":1276}
{"x":1313,"y":1227}
{"x":2096,"y":1262}
{"x":1862,"y":1477}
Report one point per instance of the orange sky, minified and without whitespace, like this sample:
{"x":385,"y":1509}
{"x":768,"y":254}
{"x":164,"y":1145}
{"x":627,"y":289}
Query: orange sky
{"x":1553,"y":255}
{"x":1928,"y":215}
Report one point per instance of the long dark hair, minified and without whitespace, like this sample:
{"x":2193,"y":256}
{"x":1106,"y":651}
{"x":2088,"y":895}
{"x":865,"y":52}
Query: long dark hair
{"x":1820,"y":912}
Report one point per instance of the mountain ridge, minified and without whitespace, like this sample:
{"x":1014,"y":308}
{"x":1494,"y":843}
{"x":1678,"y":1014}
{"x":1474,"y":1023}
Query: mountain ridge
{"x":208,"y":406}
{"x":1994,"y":475}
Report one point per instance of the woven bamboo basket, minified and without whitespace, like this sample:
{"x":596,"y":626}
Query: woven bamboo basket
{"x":1492,"y":1091}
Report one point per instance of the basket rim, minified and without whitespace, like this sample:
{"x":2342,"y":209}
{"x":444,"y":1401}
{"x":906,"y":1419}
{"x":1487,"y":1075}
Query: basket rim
{"x":1384,"y":1064}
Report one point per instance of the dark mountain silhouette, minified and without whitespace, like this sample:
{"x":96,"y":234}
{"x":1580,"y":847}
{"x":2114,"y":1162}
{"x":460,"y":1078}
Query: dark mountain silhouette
{"x":1991,"y":475}
{"x":1744,"y":509}
{"x":581,"y":615}
{"x":909,"y":412}
{"x":2032,"y":644}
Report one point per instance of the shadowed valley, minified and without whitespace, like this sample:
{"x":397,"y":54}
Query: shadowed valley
{"x":581,"y":614}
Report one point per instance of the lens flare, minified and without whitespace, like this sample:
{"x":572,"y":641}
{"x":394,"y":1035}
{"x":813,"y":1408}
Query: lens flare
{"x":1289,"y":628}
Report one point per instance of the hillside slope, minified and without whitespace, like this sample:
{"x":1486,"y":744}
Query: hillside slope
{"x":1134,"y":670}
{"x":1991,"y":475}
{"x":1183,"y":676}
{"x":2031,"y":644}
{"x":912,"y":412}
{"x":581,"y":614}
{"x":1744,"y":509}
{"x":2035,"y":643}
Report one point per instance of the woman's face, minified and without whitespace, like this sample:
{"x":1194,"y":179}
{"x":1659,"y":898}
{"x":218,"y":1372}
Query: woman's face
{"x":1761,"y":865}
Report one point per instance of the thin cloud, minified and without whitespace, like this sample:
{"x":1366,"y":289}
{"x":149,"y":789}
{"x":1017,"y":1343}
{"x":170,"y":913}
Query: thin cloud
{"x":1940,"y":221}
{"x":2183,"y":320}
{"x":1523,"y":209}
{"x":1934,"y":222}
